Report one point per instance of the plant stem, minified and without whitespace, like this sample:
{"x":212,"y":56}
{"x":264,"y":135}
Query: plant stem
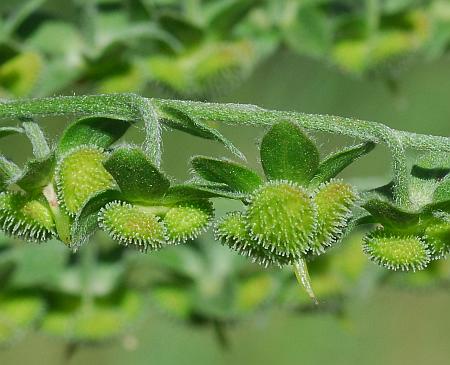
{"x":129,"y":107}
{"x":134,"y":107}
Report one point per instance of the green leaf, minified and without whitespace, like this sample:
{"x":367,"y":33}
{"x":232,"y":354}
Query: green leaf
{"x":41,"y":150}
{"x":86,"y":221}
{"x":103,"y":278}
{"x":38,"y":265}
{"x":310,"y":33}
{"x":389,"y":215}
{"x":138,"y":179}
{"x":338,"y":161}
{"x":228,"y":14}
{"x":433,"y":165}
{"x":8,"y":171}
{"x":179,"y":193}
{"x":19,"y":315}
{"x":442,"y":192}
{"x":7,"y":131}
{"x":288,"y":154}
{"x":98,"y":131}
{"x":237,"y":177}
{"x":37,"y":173}
{"x":176,"y":119}
{"x":19,"y":75}
{"x":186,"y":32}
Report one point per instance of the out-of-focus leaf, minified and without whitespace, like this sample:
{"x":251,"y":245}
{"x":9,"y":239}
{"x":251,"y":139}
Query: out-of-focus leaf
{"x":19,"y":313}
{"x":40,"y":265}
{"x":310,"y":32}
{"x":18,"y":76}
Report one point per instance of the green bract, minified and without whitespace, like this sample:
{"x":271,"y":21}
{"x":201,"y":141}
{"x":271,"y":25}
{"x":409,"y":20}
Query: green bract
{"x":287,"y":216}
{"x":79,"y":175}
{"x":292,"y":214}
{"x":26,"y":217}
{"x":424,"y":218}
{"x":397,"y":252}
{"x":297,"y":212}
{"x":282,"y":217}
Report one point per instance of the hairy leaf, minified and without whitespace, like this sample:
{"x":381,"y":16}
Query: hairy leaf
{"x":338,"y":161}
{"x":37,"y":173}
{"x":86,"y":221}
{"x":288,"y":154}
{"x":433,"y":165}
{"x":8,"y":171}
{"x":442,"y":192}
{"x":7,"y":131}
{"x":387,"y":214}
{"x":36,"y":136}
{"x":97,"y":131}
{"x":176,"y":119}
{"x":138,"y":179}
{"x":237,"y":177}
{"x":179,"y":193}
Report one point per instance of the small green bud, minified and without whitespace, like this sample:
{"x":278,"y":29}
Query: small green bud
{"x":334,"y":202}
{"x":187,"y":220}
{"x":26,"y":217}
{"x":282,"y":217}
{"x":232,"y":231}
{"x":79,"y":175}
{"x":396,"y":252}
{"x":132,"y":225}
{"x":437,"y":236}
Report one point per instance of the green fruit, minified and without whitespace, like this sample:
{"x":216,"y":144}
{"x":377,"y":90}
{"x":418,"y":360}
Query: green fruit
{"x":334,"y":202}
{"x":397,"y":252}
{"x":438,"y":239}
{"x":232,"y":231}
{"x":282,"y":217}
{"x":187,"y":220}
{"x":26,"y":217}
{"x":132,"y":225}
{"x":79,"y":175}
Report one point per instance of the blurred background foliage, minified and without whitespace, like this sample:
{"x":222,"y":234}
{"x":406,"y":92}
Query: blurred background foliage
{"x":374,"y":59}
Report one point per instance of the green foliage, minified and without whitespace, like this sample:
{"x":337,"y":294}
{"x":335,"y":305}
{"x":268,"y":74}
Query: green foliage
{"x":90,"y":184}
{"x":206,"y":46}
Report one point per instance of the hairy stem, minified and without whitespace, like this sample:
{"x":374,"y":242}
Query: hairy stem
{"x":134,"y":107}
{"x":129,"y":107}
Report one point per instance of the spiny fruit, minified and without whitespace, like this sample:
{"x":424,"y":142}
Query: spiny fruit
{"x":397,"y":252}
{"x":81,"y":174}
{"x":187,"y":220}
{"x":282,"y":216}
{"x":334,"y":202}
{"x":232,"y":231}
{"x":26,"y":217}
{"x":438,"y":239}
{"x":132,"y":225}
